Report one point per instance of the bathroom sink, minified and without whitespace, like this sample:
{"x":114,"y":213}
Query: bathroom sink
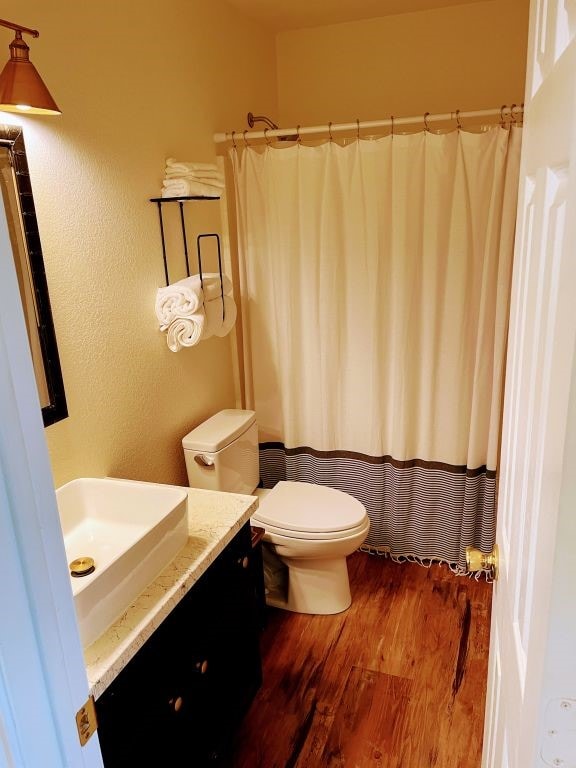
{"x":131,"y":530}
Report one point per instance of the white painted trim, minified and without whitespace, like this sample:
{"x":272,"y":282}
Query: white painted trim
{"x":232,"y":272}
{"x":47,"y":651}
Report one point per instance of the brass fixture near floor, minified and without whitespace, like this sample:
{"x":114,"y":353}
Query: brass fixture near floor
{"x":482,"y":561}
{"x":21,"y":87}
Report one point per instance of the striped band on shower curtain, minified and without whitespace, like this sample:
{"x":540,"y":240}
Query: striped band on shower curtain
{"x":375,"y":292}
{"x":414,"y":504}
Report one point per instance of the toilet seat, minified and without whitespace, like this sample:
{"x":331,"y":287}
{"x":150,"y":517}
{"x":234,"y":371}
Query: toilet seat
{"x":309,"y":511}
{"x":287,"y":534}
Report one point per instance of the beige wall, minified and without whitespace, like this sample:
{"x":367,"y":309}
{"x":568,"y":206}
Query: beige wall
{"x":136,"y":83}
{"x":464,"y":57}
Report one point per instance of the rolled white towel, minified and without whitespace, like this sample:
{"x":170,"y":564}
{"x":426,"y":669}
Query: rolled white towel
{"x":212,"y":289}
{"x":183,"y":188}
{"x":186,"y":167}
{"x":185,"y":298}
{"x":179,"y":299}
{"x":185,"y":331}
{"x":214,"y":325}
{"x":224,"y":328}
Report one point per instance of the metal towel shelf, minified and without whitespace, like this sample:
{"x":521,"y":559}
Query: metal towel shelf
{"x":160,"y":201}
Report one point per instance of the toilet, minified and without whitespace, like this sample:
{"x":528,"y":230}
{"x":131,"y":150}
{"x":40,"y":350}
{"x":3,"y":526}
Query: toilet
{"x":310,"y":528}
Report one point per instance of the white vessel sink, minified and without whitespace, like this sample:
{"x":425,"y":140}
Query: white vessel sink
{"x":131,"y":530}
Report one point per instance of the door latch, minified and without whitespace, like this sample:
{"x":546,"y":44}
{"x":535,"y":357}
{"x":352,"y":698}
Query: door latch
{"x":482,"y":561}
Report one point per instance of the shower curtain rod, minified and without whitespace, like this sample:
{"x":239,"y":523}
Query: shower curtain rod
{"x":513,"y":112}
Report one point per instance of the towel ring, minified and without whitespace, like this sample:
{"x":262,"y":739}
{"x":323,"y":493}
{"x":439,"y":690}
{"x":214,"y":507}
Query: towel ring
{"x":458,"y":123}
{"x":426,"y":128}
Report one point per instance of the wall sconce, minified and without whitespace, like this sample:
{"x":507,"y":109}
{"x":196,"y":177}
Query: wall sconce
{"x":21,"y":87}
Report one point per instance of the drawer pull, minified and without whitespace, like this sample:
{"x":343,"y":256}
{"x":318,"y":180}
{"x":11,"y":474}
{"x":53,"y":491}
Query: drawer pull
{"x":202,"y":666}
{"x":176,"y":704}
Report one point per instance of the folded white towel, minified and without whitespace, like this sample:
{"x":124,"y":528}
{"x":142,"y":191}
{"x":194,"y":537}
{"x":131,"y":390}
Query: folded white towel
{"x":187,"y":167}
{"x":185,"y":331}
{"x":175,"y":181}
{"x":214,"y":325}
{"x":185,"y":298}
{"x":190,"y":189}
{"x":208,"y":176}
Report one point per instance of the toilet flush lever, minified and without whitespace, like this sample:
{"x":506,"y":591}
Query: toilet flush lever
{"x":203,"y":460}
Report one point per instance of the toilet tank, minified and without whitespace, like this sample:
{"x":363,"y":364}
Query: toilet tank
{"x":222,"y":453}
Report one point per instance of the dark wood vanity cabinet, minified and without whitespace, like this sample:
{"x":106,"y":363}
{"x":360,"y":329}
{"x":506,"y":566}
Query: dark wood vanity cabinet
{"x":181,"y":697}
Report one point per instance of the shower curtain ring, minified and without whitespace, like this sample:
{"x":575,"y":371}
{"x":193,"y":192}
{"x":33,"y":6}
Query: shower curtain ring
{"x":266,"y":136}
{"x":234,"y":140}
{"x":392,"y":127}
{"x":330,"y":130}
{"x":298,"y":137}
{"x":458,"y":123}
{"x":512,"y":115}
{"x":426,"y":128}
{"x":358,"y":129}
{"x":245,"y":140}
{"x":502,"y":120}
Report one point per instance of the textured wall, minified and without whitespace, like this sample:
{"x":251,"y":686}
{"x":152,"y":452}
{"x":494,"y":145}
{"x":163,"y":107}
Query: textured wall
{"x":136,"y":83}
{"x":463,"y":57}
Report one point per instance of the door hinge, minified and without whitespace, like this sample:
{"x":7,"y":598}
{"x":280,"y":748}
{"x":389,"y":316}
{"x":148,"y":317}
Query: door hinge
{"x":559,"y":741}
{"x":86,"y":721}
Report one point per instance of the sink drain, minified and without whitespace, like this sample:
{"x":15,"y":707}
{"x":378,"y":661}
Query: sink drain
{"x":82,"y":566}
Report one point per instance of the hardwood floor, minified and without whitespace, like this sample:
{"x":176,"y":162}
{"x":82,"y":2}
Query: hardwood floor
{"x":397,"y":681}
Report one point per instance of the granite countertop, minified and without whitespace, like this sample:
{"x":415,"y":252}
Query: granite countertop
{"x":214,"y":519}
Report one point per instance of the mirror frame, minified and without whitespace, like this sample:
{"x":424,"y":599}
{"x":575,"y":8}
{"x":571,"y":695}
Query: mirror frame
{"x":11,"y":136}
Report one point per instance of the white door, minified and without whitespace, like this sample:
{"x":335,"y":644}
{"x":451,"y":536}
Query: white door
{"x":531,"y":706}
{"x":42,"y":676}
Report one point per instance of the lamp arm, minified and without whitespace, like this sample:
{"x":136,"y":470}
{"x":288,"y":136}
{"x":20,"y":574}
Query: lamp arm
{"x":19,"y":28}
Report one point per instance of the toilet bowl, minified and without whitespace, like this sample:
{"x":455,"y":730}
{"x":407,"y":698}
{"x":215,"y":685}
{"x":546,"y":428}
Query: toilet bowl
{"x":311,"y":528}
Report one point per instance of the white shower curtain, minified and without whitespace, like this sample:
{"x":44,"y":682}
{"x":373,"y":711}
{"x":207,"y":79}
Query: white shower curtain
{"x":375,"y":303}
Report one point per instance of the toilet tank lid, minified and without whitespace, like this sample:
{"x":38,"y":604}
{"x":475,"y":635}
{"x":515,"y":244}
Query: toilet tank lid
{"x":219,"y":430}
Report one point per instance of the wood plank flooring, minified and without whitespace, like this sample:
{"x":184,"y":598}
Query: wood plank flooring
{"x":397,"y":681}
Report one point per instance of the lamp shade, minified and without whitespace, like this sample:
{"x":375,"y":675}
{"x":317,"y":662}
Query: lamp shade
{"x":21,"y":87}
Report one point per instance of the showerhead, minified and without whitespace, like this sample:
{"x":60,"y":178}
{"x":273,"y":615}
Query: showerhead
{"x":252,"y":119}
{"x":260,"y":119}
